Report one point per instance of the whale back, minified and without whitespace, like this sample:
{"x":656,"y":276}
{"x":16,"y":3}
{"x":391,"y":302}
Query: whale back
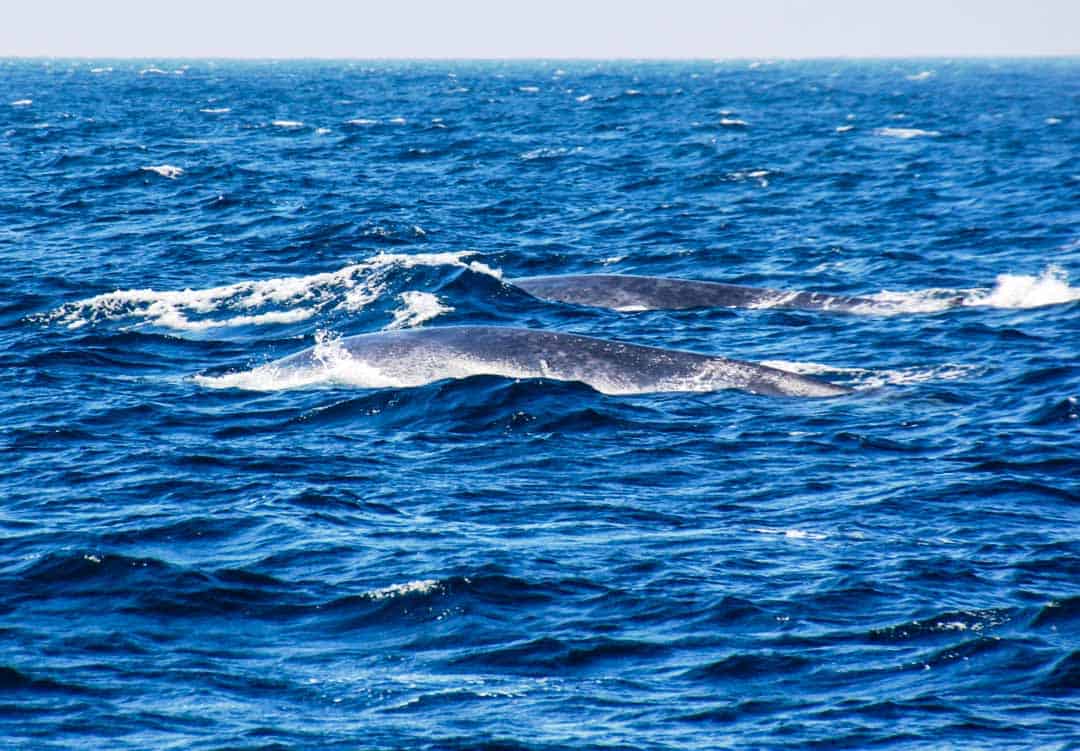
{"x":418,"y":356}
{"x":627,"y":292}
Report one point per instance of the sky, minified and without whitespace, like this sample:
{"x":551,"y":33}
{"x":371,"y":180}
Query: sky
{"x":539,"y":28}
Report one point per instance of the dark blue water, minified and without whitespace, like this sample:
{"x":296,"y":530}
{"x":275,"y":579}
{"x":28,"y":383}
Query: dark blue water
{"x":532,"y":564}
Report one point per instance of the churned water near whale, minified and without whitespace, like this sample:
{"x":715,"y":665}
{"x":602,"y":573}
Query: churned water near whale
{"x":223,"y":529}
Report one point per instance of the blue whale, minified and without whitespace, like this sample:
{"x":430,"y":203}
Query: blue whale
{"x":627,"y":292}
{"x":415,"y":357}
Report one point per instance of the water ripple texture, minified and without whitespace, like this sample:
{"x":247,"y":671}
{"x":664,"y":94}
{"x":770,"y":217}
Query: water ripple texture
{"x":200,"y":551}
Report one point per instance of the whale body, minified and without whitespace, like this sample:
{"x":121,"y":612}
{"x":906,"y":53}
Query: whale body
{"x":628,"y":292}
{"x":415,"y":357}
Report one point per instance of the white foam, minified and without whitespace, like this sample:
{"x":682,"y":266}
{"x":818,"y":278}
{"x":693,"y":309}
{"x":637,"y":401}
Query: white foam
{"x":333,"y":365}
{"x":153,"y":71}
{"x":165,"y":170}
{"x":215,"y":110}
{"x":1053,"y":121}
{"x":844,"y":128}
{"x":546,"y":152}
{"x":420,"y":586}
{"x":101,"y":70}
{"x":287,"y":124}
{"x":733,"y":122}
{"x":905,"y":133}
{"x":1051,"y":287}
{"x":418,"y":308}
{"x":791,"y":534}
{"x":529,"y":89}
{"x":22,"y":102}
{"x":362,"y":121}
{"x":759,"y":175}
{"x":865,"y":378}
{"x":321,"y":131}
{"x":922,"y":75}
{"x":583,"y":98}
{"x":397,"y":120}
{"x":292,"y":299}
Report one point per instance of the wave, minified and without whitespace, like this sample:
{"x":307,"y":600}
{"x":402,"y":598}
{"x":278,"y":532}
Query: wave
{"x":287,"y":124}
{"x":215,"y":110}
{"x":289,"y":299}
{"x":22,"y":102}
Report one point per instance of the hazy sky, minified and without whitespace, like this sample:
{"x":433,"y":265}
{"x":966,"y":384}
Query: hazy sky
{"x":544,"y":28}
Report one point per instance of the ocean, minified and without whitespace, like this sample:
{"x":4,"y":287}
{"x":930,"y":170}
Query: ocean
{"x":198,"y":551}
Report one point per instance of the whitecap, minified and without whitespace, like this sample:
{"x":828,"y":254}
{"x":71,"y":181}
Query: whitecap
{"x":733,"y":122}
{"x":215,"y":110}
{"x":418,"y":307}
{"x":529,"y":89}
{"x":922,"y":75}
{"x":905,"y":133}
{"x":153,"y":71}
{"x":246,"y":303}
{"x":1053,"y":121}
{"x":101,"y":70}
{"x":583,"y":98}
{"x":22,"y":102}
{"x":165,"y":170}
{"x":397,"y":120}
{"x":362,"y":121}
{"x":321,"y":131}
{"x":844,"y":128}
{"x":288,"y":123}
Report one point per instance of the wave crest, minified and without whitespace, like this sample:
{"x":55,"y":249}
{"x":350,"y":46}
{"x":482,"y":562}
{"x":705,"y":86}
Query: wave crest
{"x":266,"y":301}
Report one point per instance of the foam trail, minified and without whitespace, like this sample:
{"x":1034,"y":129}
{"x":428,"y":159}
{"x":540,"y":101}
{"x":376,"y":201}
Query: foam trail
{"x":289,"y":299}
{"x":862,"y":379}
{"x":1011,"y":291}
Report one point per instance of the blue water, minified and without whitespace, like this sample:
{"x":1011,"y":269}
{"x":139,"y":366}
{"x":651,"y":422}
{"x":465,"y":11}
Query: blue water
{"x":532,"y":564}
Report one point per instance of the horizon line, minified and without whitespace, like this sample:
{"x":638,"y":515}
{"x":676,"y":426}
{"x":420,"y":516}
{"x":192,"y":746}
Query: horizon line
{"x":542,"y":58}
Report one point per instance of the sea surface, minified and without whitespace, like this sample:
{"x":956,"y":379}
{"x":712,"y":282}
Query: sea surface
{"x":194,"y":555}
